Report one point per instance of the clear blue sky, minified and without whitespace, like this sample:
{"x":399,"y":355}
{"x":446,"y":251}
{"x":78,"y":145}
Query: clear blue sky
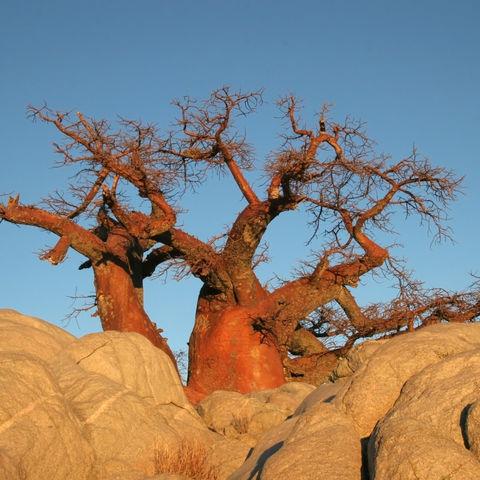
{"x":411,"y":69}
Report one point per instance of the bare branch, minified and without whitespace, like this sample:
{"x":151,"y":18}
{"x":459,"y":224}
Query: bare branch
{"x":57,"y":254}
{"x":211,"y":136}
{"x":77,"y":237}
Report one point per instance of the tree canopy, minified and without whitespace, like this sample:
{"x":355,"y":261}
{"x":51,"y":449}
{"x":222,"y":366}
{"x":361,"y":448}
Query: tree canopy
{"x":246,"y":335}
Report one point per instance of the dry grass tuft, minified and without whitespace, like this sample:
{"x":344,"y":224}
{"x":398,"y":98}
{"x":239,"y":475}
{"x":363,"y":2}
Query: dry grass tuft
{"x":241,"y":424}
{"x":189,"y":460}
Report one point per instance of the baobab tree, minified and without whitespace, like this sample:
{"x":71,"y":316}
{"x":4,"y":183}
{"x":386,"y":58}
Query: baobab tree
{"x":245,"y":333}
{"x":332,"y":171}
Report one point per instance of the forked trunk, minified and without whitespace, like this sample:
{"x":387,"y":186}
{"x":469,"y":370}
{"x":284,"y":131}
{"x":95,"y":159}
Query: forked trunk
{"x":119,"y":305}
{"x":227,"y":352}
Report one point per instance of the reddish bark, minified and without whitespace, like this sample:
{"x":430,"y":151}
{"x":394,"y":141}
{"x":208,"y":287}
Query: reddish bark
{"x":119,"y":305}
{"x":228,"y":353}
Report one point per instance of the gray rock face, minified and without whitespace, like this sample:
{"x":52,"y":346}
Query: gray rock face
{"x":372,"y":391}
{"x":129,"y":360}
{"x":425,"y":434}
{"x":30,"y":335}
{"x":97,"y":408}
{"x":356,"y":357}
{"x":325,"y":393}
{"x":121,"y":427}
{"x":319,"y":443}
{"x":110,"y":406}
{"x":248,"y":417}
{"x":40,"y":436}
{"x":421,"y":388}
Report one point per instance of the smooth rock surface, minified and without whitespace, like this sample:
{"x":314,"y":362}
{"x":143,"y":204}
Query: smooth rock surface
{"x":29,"y":335}
{"x":355,"y":358}
{"x":121,"y":427}
{"x":40,"y":436}
{"x":321,"y":443}
{"x":130,"y":360}
{"x":375,"y":387}
{"x":424,"y":435}
{"x":96,"y":408}
{"x":248,"y":417}
{"x":110,"y":406}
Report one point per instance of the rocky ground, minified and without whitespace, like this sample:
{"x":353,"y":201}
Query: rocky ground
{"x":110,"y":406}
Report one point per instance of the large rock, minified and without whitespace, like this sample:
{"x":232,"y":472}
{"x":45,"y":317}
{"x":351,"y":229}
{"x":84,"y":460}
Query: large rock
{"x":425,"y":434}
{"x":334,"y":421}
{"x":318,"y":444}
{"x":325,"y":393}
{"x":286,"y":397}
{"x":373,"y":390}
{"x":30,"y":335}
{"x":355,"y":358}
{"x":40,"y":436}
{"x":123,"y":429}
{"x":132,"y":361}
{"x":108,"y":406}
{"x":144,"y":373}
{"x":248,"y":417}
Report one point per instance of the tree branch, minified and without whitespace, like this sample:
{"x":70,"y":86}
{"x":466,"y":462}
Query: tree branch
{"x":58,"y":253}
{"x":209,"y":131}
{"x":158,"y":256}
{"x":204,"y":262}
{"x":80,"y":239}
{"x":101,"y":177}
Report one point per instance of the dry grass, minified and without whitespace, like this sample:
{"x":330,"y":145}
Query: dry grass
{"x":190,"y":460}
{"x":240,"y":424}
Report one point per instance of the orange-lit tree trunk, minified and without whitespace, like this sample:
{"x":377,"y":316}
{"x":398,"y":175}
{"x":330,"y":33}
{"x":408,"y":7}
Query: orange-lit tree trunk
{"x":119,"y":304}
{"x":229,"y":352}
{"x":118,"y":280}
{"x":230,"y":348}
{"x":242,"y":341}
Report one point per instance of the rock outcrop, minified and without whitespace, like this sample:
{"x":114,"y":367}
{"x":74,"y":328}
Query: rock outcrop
{"x":320,"y":443}
{"x":40,"y":436}
{"x":376,"y":385}
{"x":429,"y":433}
{"x":409,"y":410}
{"x":29,"y":335}
{"x":110,"y":406}
{"x":106,"y":406}
{"x":248,"y":417}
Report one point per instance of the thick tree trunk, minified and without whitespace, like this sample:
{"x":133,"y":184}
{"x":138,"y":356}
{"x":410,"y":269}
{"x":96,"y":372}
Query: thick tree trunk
{"x":119,"y":305}
{"x":227,"y":352}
